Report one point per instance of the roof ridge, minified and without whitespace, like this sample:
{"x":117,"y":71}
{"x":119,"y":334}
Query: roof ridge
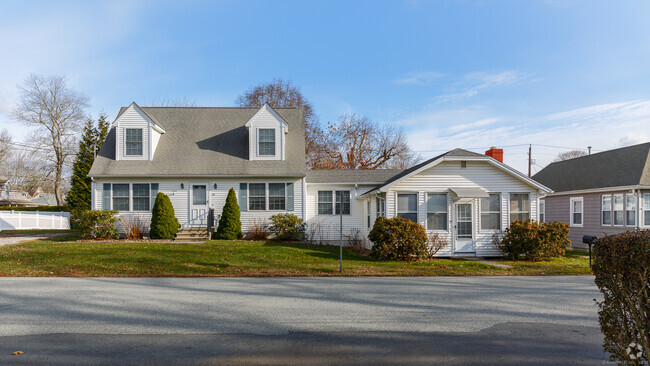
{"x":203,"y":107}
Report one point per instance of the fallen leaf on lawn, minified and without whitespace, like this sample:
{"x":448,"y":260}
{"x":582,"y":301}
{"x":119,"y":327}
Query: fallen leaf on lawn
{"x":17,"y":353}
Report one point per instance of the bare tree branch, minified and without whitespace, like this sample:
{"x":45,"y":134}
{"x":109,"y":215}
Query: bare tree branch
{"x":569,"y":155}
{"x":57,"y":112}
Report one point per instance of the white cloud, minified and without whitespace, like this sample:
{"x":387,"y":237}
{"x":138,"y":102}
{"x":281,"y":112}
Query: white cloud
{"x":476,"y":82}
{"x":604,"y":127}
{"x":419,"y":78}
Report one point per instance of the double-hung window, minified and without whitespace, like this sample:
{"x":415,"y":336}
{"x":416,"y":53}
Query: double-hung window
{"x":133,"y":141}
{"x":257,"y":196}
{"x":606,"y":210}
{"x":576,"y":211}
{"x":618,"y":210}
{"x":519,"y":206}
{"x":630,"y":210}
{"x":329,"y":202}
{"x":542,"y":211}
{"x":407,"y":206}
{"x":491,"y":212}
{"x":437,"y":211}
{"x":277,"y":197}
{"x":646,"y":209}
{"x":121,"y":197}
{"x":266,"y":141}
{"x":345,"y":196}
{"x":368,"y":204}
{"x":141,"y":197}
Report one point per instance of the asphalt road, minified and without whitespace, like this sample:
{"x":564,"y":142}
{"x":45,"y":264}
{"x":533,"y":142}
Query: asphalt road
{"x":421,"y":320}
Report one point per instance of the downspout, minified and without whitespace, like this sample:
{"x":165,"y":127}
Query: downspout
{"x":92,"y":193}
{"x":304,"y":199}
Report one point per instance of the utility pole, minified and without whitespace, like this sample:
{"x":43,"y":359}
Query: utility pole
{"x":340,"y":232}
{"x":530,"y":158}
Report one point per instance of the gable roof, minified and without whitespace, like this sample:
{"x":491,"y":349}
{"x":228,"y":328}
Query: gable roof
{"x":205,"y":141}
{"x":366,"y":176}
{"x":455,"y":154}
{"x":627,"y":166}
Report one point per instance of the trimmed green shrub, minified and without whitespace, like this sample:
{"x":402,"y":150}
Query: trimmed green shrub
{"x":97,"y":224}
{"x":164,"y":224}
{"x":622,"y":270}
{"x":230,"y":222}
{"x":39,"y":208}
{"x":398,"y":239}
{"x":534,"y":241}
{"x":287,"y":226}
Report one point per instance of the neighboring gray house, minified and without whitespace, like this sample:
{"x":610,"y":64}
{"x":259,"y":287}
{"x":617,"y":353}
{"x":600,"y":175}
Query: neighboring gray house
{"x":599,"y":194}
{"x":195,"y":155}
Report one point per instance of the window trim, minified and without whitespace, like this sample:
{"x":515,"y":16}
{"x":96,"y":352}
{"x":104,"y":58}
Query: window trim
{"x":541,"y":208}
{"x":131,"y":196}
{"x":333,"y":203}
{"x":268,"y":198}
{"x":380,"y":202}
{"x":426,"y":202}
{"x":259,"y":142}
{"x":126,"y":142}
{"x":148,"y":197}
{"x":622,"y":195}
{"x":572,"y":212}
{"x":417,"y":204}
{"x":611,"y":210}
{"x":510,"y":212}
{"x":500,"y":212}
{"x":128,"y":197}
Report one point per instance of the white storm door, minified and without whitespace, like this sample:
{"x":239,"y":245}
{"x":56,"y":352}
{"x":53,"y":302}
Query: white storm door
{"x":464,"y":228}
{"x":198,"y":205}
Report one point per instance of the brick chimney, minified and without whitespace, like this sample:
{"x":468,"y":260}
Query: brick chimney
{"x":495,"y":153}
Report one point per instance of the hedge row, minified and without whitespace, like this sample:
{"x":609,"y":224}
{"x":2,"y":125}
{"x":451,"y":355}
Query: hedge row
{"x":39,"y":208}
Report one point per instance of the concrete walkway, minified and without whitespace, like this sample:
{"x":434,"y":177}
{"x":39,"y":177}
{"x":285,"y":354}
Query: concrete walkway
{"x":21,"y":238}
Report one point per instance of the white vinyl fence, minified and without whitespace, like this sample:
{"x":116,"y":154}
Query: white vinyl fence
{"x":22,"y":220}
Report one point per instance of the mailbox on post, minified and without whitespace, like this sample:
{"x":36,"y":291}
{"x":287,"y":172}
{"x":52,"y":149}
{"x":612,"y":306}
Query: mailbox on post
{"x":589,"y":240}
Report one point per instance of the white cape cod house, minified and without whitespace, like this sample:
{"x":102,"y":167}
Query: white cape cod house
{"x":195,"y":155}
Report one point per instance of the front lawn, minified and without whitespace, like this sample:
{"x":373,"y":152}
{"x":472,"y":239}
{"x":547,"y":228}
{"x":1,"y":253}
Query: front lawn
{"x":60,"y":257}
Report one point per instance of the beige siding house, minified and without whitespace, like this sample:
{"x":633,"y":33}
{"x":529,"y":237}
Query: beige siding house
{"x":600,"y":194}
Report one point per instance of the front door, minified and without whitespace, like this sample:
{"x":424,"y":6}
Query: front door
{"x":198,"y":205}
{"x":464,"y":225}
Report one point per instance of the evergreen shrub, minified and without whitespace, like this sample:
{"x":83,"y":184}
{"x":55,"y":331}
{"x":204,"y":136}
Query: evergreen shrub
{"x":164,"y":224}
{"x":230,"y":223}
{"x":534,"y":241}
{"x":287,"y":226}
{"x":97,"y":224}
{"x":398,"y":239}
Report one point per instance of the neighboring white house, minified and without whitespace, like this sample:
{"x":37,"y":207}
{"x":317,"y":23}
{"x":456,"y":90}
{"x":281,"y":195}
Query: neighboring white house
{"x":195,"y":155}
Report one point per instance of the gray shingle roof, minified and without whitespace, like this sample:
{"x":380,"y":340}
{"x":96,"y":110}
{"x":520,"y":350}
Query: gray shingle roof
{"x":626,"y":166}
{"x":203,"y":141}
{"x":351,"y":176}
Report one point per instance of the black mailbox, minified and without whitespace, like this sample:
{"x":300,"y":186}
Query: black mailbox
{"x":588,"y":239}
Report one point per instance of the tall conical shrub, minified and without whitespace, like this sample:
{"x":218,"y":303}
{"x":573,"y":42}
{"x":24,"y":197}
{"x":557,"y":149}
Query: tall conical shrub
{"x":164,"y":224}
{"x":230,"y":222}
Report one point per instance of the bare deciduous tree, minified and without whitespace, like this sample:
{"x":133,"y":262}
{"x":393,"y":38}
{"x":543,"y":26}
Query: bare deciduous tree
{"x":169,"y":102}
{"x":280,"y":93}
{"x":569,"y":155}
{"x":58,"y":113}
{"x":355,"y":142}
{"x":5,"y":146}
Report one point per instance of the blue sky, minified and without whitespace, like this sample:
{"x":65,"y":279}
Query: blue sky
{"x":467,"y":74}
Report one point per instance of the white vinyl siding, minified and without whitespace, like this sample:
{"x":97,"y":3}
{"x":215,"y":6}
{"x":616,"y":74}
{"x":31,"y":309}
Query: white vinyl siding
{"x":577,"y":210}
{"x":134,"y":136}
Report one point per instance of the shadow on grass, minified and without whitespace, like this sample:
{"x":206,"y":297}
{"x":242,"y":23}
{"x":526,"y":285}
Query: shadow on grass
{"x":320,"y":251}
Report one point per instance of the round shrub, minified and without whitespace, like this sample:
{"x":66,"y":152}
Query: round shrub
{"x":164,"y":224}
{"x":534,"y":241}
{"x":230,"y":222}
{"x":97,"y":224}
{"x":398,"y":239}
{"x":622,"y":270}
{"x":287,"y":227}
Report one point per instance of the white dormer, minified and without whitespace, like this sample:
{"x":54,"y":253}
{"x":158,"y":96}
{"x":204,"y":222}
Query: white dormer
{"x":266,"y":135}
{"x":137,"y":135}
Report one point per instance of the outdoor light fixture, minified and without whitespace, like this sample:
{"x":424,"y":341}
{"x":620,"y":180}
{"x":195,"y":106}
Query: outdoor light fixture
{"x":182,"y":186}
{"x":215,"y":186}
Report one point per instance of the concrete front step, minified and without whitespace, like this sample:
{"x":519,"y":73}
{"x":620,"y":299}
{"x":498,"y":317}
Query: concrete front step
{"x":192,"y":234}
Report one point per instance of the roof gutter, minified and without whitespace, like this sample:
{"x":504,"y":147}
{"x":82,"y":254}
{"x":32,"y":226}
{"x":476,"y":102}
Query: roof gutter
{"x":598,"y":190}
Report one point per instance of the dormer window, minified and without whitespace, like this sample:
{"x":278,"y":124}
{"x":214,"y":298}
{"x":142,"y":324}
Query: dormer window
{"x":133,"y":141}
{"x":266,"y":142}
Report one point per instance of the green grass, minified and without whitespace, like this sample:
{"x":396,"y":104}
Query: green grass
{"x":61,"y":257}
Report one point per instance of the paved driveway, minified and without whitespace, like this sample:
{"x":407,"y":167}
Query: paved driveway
{"x":464,"y":320}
